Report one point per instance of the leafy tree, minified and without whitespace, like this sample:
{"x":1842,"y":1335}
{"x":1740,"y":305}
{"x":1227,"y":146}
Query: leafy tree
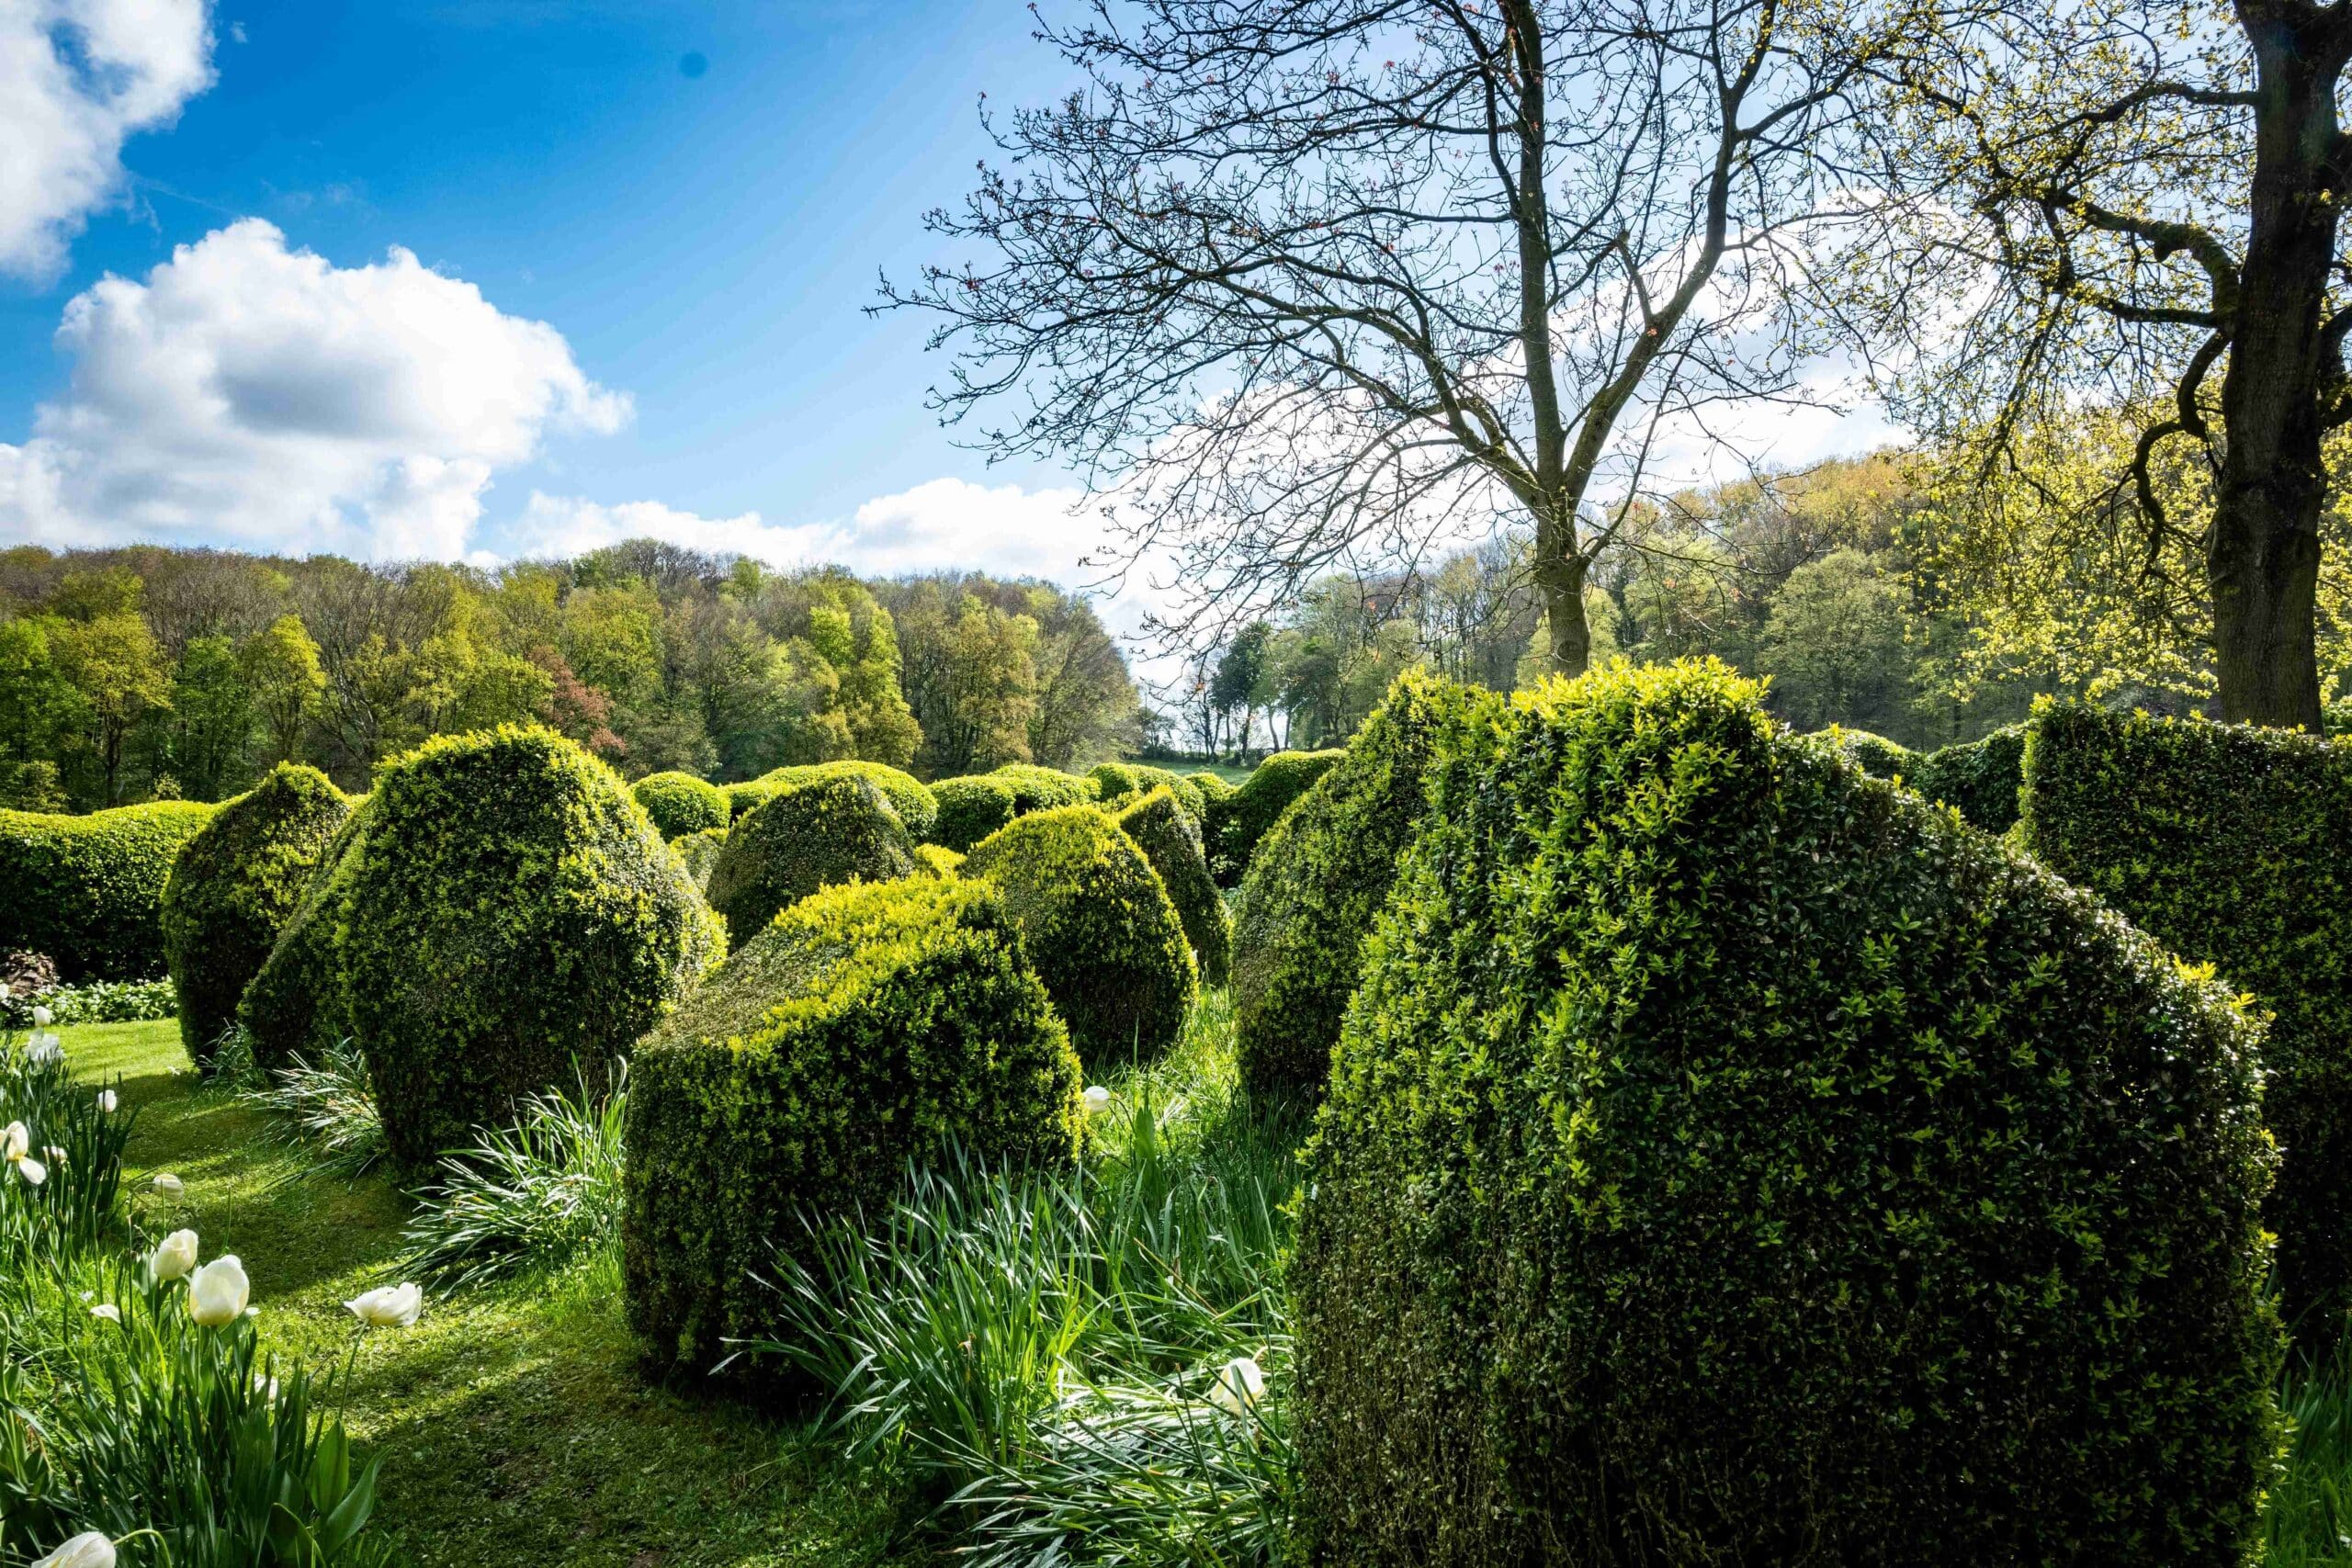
{"x":1240,"y":675}
{"x":971,"y":677}
{"x":213,"y":718}
{"x":115,"y":672}
{"x":1833,"y":645}
{"x":280,"y":666}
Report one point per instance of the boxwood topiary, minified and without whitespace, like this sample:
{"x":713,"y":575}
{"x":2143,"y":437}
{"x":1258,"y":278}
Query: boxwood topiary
{"x":1980,"y":778}
{"x":969,"y":810}
{"x":907,"y":796}
{"x":682,"y":804}
{"x":88,"y":891}
{"x":1260,"y":802}
{"x":869,"y":1026}
{"x":232,"y":889}
{"x":1041,"y":789}
{"x":297,"y":1004}
{"x":742,"y":798}
{"x":815,"y":835}
{"x":943,"y":860}
{"x":1728,"y":1159}
{"x":1317,"y":879}
{"x":1169,"y":838}
{"x":700,"y":852}
{"x":512,"y":920}
{"x":1102,"y":929}
{"x":2226,"y":844}
{"x":1116,"y":783}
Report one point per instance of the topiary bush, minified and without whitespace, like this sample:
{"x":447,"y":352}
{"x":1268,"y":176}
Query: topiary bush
{"x":907,"y":796}
{"x":2226,"y":844}
{"x":969,"y":810}
{"x":1042,"y":789}
{"x":1169,"y":838}
{"x":869,"y":1026}
{"x":1317,"y":879}
{"x":1874,"y":755}
{"x":88,"y":891}
{"x":512,"y":922}
{"x":700,"y":852}
{"x":1117,"y":784}
{"x":1101,"y":928}
{"x":296,"y":1003}
{"x":1729,"y":1158}
{"x":742,"y":798}
{"x":943,"y":860}
{"x":817,"y":835}
{"x":682,"y":804}
{"x":232,"y":889}
{"x":1259,"y":802}
{"x":1980,"y":779}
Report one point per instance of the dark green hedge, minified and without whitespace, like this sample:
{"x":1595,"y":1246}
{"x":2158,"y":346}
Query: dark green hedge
{"x":1101,"y":928}
{"x":682,"y":804}
{"x":512,"y":921}
{"x":969,"y":810}
{"x":1169,"y":838}
{"x":232,"y":889}
{"x":297,"y":1004}
{"x":1730,"y":1158}
{"x":907,"y":796}
{"x":742,"y":798}
{"x":88,"y":891}
{"x":1980,"y":779}
{"x":1042,"y":789}
{"x":1237,"y":823}
{"x":2227,"y":843}
{"x":1317,"y":881}
{"x":808,"y":835}
{"x":868,"y":1027}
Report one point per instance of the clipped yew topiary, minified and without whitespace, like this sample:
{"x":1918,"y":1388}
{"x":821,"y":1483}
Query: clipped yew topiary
{"x":297,"y":1004}
{"x":1118,"y":783}
{"x":682,"y":804}
{"x":1874,"y":755}
{"x":700,"y":852}
{"x":907,"y":796}
{"x":1042,"y":789}
{"x":1101,"y":928}
{"x":742,"y":798}
{"x":969,"y":810}
{"x":1980,"y":779}
{"x":1317,"y":881}
{"x":817,"y":835}
{"x":2226,"y":842}
{"x":869,"y":1026}
{"x":1254,"y":808}
{"x":88,"y":891}
{"x":1731,"y":1158}
{"x":1169,"y":838}
{"x":512,"y":920}
{"x":234,"y":888}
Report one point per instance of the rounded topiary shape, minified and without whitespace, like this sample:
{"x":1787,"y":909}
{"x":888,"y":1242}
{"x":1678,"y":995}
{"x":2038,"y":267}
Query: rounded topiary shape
{"x":907,"y":796}
{"x":1116,"y":785}
{"x":1726,"y":1149}
{"x":1169,"y":838}
{"x":1102,"y":931}
{"x":1042,"y":789}
{"x":512,"y":921}
{"x":970,"y":809}
{"x":1113,"y":782}
{"x":234,"y":888}
{"x":1874,"y":755}
{"x":865,"y":1028}
{"x":297,"y":1005}
{"x":741,"y":798}
{"x":819,"y":835}
{"x":682,"y":804}
{"x":1980,"y":779}
{"x":88,"y":891}
{"x":1259,"y":804}
{"x":1317,"y":879}
{"x":700,"y":852}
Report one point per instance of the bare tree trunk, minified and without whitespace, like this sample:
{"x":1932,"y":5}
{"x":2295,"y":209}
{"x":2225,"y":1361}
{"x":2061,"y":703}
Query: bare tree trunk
{"x":1559,"y":577}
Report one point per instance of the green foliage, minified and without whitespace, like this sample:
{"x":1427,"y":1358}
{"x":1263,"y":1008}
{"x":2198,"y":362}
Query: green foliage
{"x":1236,"y":825}
{"x":1169,"y":838}
{"x":807,"y":837}
{"x":95,"y":1002}
{"x":682,"y":804}
{"x":1317,"y":881}
{"x":1981,"y":779}
{"x":1117,"y":783}
{"x":943,"y":860}
{"x":1106,"y":937}
{"x":297,"y":1004}
{"x":1042,"y":789}
{"x":970,"y":809}
{"x":868,"y":1027}
{"x":700,"y":852}
{"x":1875,"y":754}
{"x":907,"y":796}
{"x":232,"y":889}
{"x":88,"y":891}
{"x":533,"y":1197}
{"x":1727,"y":1158}
{"x":512,"y":921}
{"x":1214,"y":787}
{"x":742,"y":798}
{"x":2224,"y":842}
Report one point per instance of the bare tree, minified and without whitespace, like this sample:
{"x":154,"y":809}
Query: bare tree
{"x":1299,"y":283}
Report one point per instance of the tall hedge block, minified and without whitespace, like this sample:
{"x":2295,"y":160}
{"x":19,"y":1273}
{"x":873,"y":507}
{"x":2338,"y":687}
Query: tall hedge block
{"x":2227,"y":843}
{"x":1730,"y":1158}
{"x":682,"y":804}
{"x":234,"y":888}
{"x":1169,"y":838}
{"x":867,"y":1027}
{"x":970,"y":809}
{"x":512,"y":913}
{"x":815,"y":835}
{"x":1244,"y":819}
{"x":296,"y":1003}
{"x":1318,"y":877}
{"x":1101,"y":928}
{"x":1981,"y":779}
{"x":907,"y":796}
{"x":88,"y":891}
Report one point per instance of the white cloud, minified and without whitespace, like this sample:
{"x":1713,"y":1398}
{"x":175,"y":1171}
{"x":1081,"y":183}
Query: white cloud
{"x":248,"y":394}
{"x":77,"y":77}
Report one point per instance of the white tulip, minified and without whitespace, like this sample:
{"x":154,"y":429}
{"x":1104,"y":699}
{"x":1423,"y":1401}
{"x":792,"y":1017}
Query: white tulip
{"x":388,"y":1306}
{"x":88,"y":1549}
{"x":44,"y":1049}
{"x":170,"y":1186}
{"x":15,"y":1142}
{"x":42,"y":1017}
{"x":32,"y":1170}
{"x":1240,"y":1383}
{"x":1097,"y":1098}
{"x":217,"y":1293}
{"x":107,"y":1311}
{"x":107,"y":1102}
{"x":174,"y":1257}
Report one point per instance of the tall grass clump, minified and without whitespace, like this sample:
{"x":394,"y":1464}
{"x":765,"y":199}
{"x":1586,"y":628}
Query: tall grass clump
{"x":529,"y":1198}
{"x":322,"y":1102}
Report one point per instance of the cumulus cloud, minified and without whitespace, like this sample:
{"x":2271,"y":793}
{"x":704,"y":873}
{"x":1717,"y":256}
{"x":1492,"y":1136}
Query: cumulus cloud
{"x":245,"y":394}
{"x":77,"y":78}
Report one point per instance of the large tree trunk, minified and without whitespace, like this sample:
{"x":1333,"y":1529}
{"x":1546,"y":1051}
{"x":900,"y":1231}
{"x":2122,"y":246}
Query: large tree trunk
{"x":2263,"y":568}
{"x":1560,"y":574}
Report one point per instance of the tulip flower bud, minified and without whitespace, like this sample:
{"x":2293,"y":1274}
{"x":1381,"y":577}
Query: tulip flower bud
{"x":1240,"y":1385}
{"x":106,"y":1101}
{"x":88,"y":1549}
{"x":167,"y":1184}
{"x":42,"y":1017}
{"x":107,"y":1311}
{"x":32,"y":1170}
{"x":174,"y":1257}
{"x":217,"y":1293}
{"x":389,"y":1307}
{"x":1097,"y":1098}
{"x":15,"y":1142}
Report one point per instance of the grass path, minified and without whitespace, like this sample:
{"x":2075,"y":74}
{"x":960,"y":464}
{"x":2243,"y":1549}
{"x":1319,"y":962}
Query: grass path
{"x":515,"y":1426}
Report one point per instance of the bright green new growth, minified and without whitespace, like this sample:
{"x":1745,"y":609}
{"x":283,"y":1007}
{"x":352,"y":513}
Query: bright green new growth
{"x":1042,"y":789}
{"x":1317,"y":881}
{"x":1169,"y":837}
{"x":2226,"y":844}
{"x":296,"y":1004}
{"x":681,"y":804}
{"x":88,"y":891}
{"x":1101,"y":928}
{"x":969,"y":810}
{"x":1725,"y":1149}
{"x":1238,"y":822}
{"x":943,"y":860}
{"x":817,"y":835}
{"x":907,"y":796}
{"x":868,"y":1027}
{"x":1116,"y":783}
{"x":511,"y":923}
{"x":234,"y":888}
{"x":700,"y":852}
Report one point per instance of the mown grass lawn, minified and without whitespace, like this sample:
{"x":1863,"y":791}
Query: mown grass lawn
{"x":515,"y":1425}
